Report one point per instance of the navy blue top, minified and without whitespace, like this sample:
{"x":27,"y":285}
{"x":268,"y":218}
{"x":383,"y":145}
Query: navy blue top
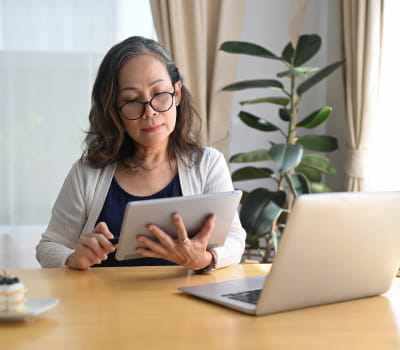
{"x":113,"y":213}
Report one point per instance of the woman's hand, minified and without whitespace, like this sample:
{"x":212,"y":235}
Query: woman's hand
{"x":92,"y":248}
{"x":190,"y":253}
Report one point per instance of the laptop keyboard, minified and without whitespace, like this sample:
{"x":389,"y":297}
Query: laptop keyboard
{"x":248,"y":296}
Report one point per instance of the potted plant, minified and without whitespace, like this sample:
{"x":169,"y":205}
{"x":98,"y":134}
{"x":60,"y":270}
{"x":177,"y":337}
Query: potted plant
{"x":295,"y":170}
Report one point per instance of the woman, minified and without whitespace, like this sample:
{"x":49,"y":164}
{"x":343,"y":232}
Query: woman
{"x":143,"y":143}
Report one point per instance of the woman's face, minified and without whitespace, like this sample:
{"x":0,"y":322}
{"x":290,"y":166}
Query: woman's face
{"x":140,"y":78}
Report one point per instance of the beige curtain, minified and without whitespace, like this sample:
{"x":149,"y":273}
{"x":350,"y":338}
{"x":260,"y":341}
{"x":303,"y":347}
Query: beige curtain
{"x":362,"y":34}
{"x":192,"y":31}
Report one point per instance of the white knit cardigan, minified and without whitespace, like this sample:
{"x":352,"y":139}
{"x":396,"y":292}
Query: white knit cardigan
{"x":84,"y":191}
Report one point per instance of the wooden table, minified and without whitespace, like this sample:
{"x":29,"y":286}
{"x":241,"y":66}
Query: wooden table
{"x":141,"y":308}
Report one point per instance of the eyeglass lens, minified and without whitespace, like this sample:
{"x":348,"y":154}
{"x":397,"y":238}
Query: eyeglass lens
{"x":160,"y":103}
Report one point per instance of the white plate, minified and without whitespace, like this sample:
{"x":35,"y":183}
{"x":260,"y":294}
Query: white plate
{"x":34,"y":306}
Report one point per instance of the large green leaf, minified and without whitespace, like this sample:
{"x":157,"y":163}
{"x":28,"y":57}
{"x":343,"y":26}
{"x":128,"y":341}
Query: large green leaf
{"x":284,"y":114}
{"x":317,"y":77}
{"x":282,"y":101}
{"x":307,"y":47}
{"x":319,"y":188}
{"x":287,"y":53}
{"x":251,"y":173}
{"x":319,"y":143}
{"x":244,"y":195}
{"x":286,"y":157}
{"x":253,"y":156}
{"x":298,"y":184}
{"x":260,"y":209}
{"x":311,"y":174}
{"x":253,"y":241}
{"x":250,"y":84}
{"x":297,"y":72}
{"x":319,"y":163}
{"x":316,"y":118}
{"x":257,"y":122}
{"x":247,"y":48}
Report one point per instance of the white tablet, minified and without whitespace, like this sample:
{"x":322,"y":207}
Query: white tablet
{"x":193,"y":209}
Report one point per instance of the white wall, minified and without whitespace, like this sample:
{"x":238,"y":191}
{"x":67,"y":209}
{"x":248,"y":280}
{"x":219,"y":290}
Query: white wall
{"x":266,"y":23}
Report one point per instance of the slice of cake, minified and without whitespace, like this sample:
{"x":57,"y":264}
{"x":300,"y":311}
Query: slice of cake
{"x":12,"y":294}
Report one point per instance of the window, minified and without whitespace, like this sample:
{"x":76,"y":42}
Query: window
{"x":49,"y":54}
{"x":385,"y":166}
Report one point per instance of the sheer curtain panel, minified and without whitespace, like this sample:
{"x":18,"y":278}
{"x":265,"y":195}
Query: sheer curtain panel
{"x":362,"y":29}
{"x":192,"y":31}
{"x":49,"y":54}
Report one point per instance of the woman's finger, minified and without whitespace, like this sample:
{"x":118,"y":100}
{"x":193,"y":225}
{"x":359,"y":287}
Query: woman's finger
{"x":148,"y":253}
{"x":163,"y":238}
{"x":104,"y":235}
{"x":181,"y":233}
{"x":85,"y":253}
{"x":105,"y":243}
{"x":92,"y":243}
{"x":206,"y":230}
{"x":151,"y":244}
{"x":102,"y":228}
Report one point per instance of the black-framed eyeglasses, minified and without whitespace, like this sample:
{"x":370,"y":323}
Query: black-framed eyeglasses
{"x":160,"y":102}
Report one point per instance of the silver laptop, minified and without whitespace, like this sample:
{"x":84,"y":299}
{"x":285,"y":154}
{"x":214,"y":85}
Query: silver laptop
{"x":336,"y":247}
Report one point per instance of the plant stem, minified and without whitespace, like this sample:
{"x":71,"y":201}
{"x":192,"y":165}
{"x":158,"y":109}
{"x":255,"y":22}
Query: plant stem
{"x":291,"y":139}
{"x":280,"y":182}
